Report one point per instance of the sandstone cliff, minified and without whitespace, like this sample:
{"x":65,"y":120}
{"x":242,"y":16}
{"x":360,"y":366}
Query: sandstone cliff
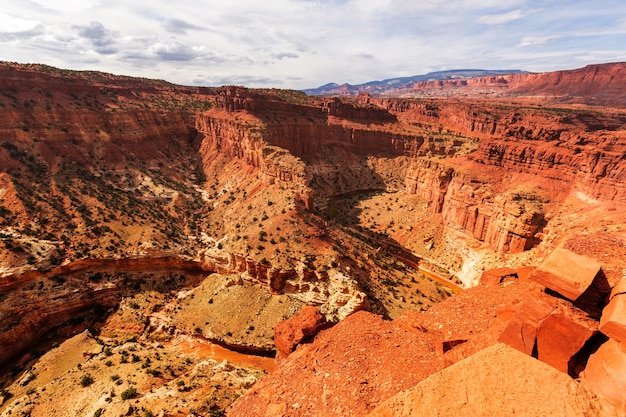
{"x":599,"y":84}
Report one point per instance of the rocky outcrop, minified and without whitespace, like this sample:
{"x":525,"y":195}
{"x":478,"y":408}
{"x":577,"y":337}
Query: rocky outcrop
{"x":336,"y":294}
{"x":605,"y":373}
{"x":342,"y":375}
{"x":613,"y":321}
{"x":291,"y":332}
{"x":567,"y":273}
{"x":476,"y":387}
{"x":461,"y":332}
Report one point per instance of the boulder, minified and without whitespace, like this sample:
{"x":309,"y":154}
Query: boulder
{"x":567,"y":273}
{"x":289,"y":333}
{"x":561,"y":336}
{"x":497,"y":381}
{"x":498,"y":276}
{"x":521,"y":332}
{"x":613,"y":321}
{"x":605,"y":373}
{"x":551,"y":330}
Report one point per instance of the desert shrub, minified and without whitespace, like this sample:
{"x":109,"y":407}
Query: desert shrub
{"x":129,"y":393}
{"x":86,"y":380}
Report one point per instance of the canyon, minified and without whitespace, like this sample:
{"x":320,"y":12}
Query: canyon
{"x":382,"y":248}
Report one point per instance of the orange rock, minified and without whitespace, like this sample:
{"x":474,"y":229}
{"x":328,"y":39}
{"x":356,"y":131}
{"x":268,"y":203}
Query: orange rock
{"x":561,"y":335}
{"x":613,"y":321}
{"x":619,"y":288}
{"x":521,"y":332}
{"x":498,"y":276}
{"x":605,"y":373}
{"x":551,"y":330}
{"x":289,"y":333}
{"x":498,"y":381}
{"x":567,"y":273}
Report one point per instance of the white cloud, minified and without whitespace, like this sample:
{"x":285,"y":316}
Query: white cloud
{"x":174,"y":25}
{"x":534,"y":41}
{"x":502,"y":18}
{"x":305,"y":43}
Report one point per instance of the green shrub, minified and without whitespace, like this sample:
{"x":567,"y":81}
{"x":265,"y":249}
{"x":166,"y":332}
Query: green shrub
{"x":129,"y":393}
{"x":86,"y":380}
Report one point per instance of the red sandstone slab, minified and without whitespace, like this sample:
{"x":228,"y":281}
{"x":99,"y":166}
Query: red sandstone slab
{"x":521,"y":331}
{"x":605,"y":373}
{"x":619,"y":288}
{"x":567,"y":273}
{"x":562,"y":335}
{"x":498,"y":381}
{"x":613,"y":321}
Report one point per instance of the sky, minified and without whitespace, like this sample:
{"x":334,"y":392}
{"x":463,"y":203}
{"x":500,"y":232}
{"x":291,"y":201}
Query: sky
{"x":307,"y":43}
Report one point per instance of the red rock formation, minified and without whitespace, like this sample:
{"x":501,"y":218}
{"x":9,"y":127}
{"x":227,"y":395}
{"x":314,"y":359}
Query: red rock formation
{"x":605,"y":373}
{"x":36,"y":302}
{"x":567,"y":273}
{"x":468,"y":201}
{"x":568,"y":145}
{"x":594,"y":84}
{"x":496,"y":381}
{"x":291,"y":332}
{"x":561,"y":336}
{"x":613,"y":321}
{"x":521,"y":331}
{"x":343,"y":375}
{"x":495,"y":171}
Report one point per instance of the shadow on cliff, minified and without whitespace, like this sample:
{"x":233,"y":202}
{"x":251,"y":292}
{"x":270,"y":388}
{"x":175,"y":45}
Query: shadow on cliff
{"x":274,"y":112}
{"x":346,"y":210}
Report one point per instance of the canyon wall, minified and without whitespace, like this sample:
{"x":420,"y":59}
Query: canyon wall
{"x":80,"y":154}
{"x":556,"y":149}
{"x":336,"y":147}
{"x":553,"y":151}
{"x":601,"y":84}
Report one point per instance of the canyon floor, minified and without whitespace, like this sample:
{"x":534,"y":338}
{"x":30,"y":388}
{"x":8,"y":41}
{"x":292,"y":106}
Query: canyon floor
{"x":459,"y":253}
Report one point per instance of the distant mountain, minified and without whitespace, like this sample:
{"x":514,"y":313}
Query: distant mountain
{"x":391,"y":84}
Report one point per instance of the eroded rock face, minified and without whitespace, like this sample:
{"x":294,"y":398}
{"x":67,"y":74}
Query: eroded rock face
{"x":508,"y":222}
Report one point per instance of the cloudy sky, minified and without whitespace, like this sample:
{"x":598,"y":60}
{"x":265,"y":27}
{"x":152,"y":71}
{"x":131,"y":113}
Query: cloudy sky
{"x":307,"y":43}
